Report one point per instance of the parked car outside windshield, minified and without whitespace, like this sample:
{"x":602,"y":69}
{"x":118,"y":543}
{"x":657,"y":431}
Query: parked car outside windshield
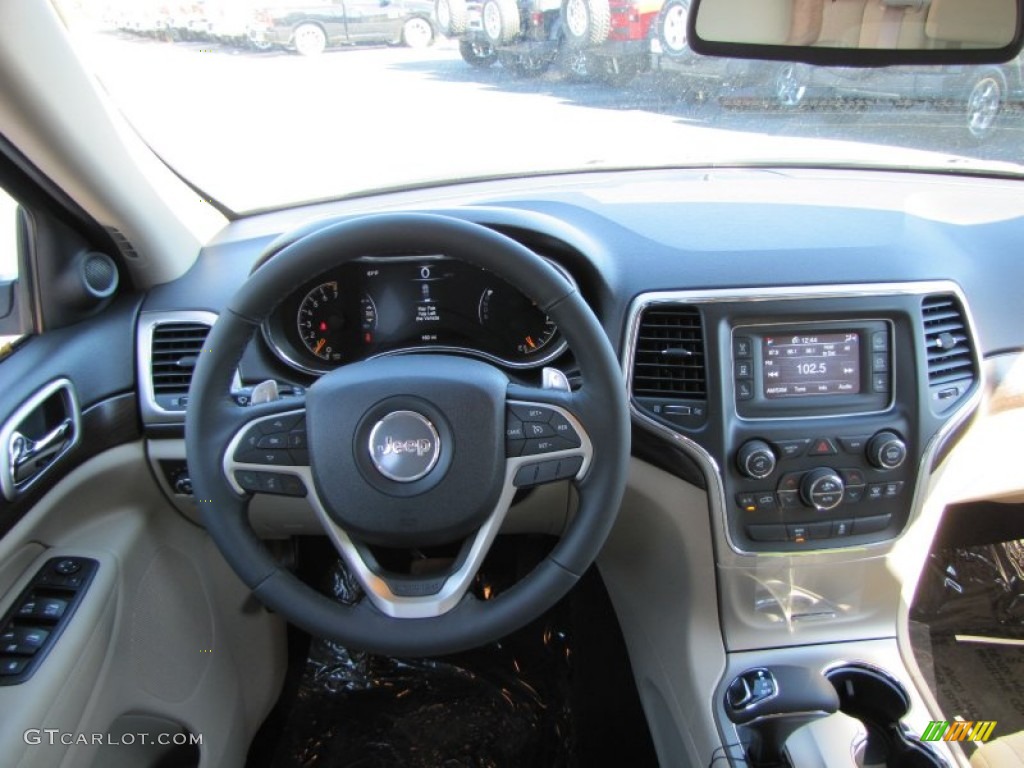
{"x":305,"y":101}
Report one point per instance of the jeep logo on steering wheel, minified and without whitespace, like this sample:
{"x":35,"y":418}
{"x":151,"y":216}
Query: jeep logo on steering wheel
{"x":404,"y":446}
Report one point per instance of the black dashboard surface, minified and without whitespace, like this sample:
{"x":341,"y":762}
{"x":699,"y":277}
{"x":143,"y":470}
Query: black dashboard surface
{"x":623,"y":234}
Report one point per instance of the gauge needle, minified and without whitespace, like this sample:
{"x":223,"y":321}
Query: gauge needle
{"x":529,"y":340}
{"x":319,"y":346}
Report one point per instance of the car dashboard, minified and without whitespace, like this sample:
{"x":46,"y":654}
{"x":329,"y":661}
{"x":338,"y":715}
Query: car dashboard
{"x":804,"y":351}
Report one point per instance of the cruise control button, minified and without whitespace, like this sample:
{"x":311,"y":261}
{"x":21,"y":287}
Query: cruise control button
{"x":546,"y":445}
{"x":564,"y":429}
{"x":514,"y":429}
{"x":533,"y":429}
{"x":531,"y":413}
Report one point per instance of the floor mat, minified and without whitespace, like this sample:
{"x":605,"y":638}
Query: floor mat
{"x":975,"y":591}
{"x":558,"y":694}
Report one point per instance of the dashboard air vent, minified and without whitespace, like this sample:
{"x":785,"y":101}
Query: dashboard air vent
{"x":669,"y":358}
{"x":951,"y":368}
{"x":175,"y":349}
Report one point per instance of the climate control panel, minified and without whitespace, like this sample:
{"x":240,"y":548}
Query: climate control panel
{"x":817,"y":491}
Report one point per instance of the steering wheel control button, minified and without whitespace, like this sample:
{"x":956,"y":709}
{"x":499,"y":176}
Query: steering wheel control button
{"x":273,"y":441}
{"x":564,"y":429}
{"x":531,"y":413}
{"x":277,"y":483}
{"x":547,"y":445}
{"x":404,"y":446}
{"x":281,"y":424}
{"x":535,"y":430}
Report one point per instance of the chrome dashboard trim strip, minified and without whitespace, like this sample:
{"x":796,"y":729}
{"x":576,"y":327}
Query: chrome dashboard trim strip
{"x":707,"y":463}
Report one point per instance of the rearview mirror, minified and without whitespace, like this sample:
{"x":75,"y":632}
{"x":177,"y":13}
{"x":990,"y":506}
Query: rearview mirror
{"x":859,"y":32}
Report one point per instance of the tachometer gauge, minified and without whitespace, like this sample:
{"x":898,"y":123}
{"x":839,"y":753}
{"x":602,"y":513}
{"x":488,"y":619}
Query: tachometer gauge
{"x":516,"y":322}
{"x":321,"y":322}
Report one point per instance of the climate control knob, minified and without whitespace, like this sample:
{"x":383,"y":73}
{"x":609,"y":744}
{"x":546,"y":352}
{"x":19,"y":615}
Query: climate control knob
{"x":822,"y":489}
{"x":756,"y":459}
{"x":886,"y":450}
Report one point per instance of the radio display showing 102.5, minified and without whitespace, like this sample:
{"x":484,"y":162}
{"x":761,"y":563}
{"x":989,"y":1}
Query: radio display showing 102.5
{"x":811,"y":364}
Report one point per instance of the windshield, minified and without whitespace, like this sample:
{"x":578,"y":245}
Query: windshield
{"x":266,"y":105}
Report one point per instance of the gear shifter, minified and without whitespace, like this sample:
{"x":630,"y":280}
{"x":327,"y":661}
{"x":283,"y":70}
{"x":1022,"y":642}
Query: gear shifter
{"x":769,"y":703}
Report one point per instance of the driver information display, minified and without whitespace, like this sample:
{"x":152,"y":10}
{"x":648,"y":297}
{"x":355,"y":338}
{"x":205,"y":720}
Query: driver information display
{"x":811,"y":364}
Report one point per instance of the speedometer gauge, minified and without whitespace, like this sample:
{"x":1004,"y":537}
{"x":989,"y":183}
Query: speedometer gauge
{"x":321,"y":322}
{"x":515,"y":321}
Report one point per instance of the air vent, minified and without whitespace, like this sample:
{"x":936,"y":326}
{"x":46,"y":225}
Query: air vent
{"x":176,"y":347}
{"x":668,"y":364}
{"x":951,"y":369}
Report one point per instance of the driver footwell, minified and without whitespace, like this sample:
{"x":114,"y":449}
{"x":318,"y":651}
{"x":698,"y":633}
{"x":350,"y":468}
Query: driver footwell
{"x":557,"y":693}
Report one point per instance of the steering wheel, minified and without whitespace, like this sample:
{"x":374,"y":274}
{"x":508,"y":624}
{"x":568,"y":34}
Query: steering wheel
{"x":409,"y":450}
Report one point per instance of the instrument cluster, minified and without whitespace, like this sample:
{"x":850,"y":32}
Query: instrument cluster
{"x":378,"y":306}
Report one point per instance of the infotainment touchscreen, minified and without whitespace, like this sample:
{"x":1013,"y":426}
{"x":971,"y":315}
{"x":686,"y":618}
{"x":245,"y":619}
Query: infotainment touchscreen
{"x":810,"y":364}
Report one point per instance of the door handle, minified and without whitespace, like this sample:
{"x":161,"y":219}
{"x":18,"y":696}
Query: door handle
{"x":29,"y":456}
{"x":24,"y":456}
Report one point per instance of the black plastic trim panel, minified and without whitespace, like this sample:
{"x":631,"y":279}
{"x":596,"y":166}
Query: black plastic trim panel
{"x":39,"y":616}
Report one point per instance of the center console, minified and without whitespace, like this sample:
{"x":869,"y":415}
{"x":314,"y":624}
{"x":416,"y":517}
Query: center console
{"x":815,"y":407}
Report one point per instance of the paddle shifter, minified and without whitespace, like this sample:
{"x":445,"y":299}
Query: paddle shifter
{"x":769,"y":703}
